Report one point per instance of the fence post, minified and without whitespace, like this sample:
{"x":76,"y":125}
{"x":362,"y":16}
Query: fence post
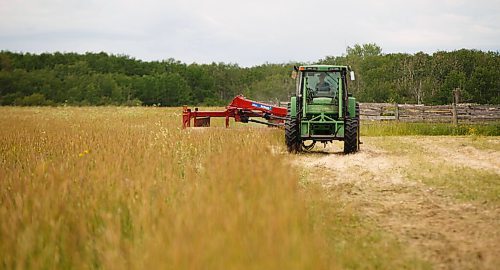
{"x":454,"y":113}
{"x":396,"y":111}
{"x":456,"y":97}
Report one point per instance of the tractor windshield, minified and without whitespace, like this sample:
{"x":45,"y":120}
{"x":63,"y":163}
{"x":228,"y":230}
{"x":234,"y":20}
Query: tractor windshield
{"x":322,"y":84}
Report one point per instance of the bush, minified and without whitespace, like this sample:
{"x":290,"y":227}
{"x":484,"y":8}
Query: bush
{"x":132,"y":103}
{"x":35,"y":99}
{"x":10,"y":99}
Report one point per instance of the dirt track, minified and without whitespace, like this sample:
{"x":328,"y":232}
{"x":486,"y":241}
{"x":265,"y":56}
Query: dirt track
{"x":429,"y":221}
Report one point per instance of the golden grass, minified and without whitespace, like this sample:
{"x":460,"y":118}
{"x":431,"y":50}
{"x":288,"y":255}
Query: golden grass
{"x":127,"y":188}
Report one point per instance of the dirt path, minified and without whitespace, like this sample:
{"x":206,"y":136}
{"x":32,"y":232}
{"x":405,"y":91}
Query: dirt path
{"x":449,"y":233}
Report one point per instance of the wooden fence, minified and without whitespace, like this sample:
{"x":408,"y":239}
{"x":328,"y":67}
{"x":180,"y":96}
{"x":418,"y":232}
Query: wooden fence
{"x":422,"y":113}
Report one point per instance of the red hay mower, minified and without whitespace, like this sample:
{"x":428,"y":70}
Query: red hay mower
{"x":241,"y":109}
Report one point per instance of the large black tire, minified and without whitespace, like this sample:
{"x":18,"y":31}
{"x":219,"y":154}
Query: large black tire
{"x":351,"y":133}
{"x":292,"y":135}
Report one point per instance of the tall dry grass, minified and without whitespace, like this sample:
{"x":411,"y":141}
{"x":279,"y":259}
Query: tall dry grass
{"x":120,"y":188}
{"x":127,"y":188}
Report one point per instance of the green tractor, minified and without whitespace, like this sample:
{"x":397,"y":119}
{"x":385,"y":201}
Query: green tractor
{"x":322,"y":109}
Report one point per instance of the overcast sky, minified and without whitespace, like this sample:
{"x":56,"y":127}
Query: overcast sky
{"x":248,"y":32}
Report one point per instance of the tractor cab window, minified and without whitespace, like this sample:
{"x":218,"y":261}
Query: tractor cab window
{"x":322,"y":84}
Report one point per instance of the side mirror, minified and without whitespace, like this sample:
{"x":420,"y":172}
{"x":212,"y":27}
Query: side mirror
{"x":296,"y":68}
{"x":353,"y":78}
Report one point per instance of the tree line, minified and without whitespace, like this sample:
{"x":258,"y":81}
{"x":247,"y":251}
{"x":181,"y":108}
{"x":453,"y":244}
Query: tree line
{"x":104,"y":79}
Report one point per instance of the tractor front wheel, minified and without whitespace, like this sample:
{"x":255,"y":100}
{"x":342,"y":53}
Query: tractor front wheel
{"x":351,"y":133}
{"x":292,"y":134}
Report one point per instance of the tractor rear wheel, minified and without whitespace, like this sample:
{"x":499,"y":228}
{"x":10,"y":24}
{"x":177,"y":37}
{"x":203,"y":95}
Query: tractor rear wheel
{"x":351,"y":133}
{"x":292,"y":135}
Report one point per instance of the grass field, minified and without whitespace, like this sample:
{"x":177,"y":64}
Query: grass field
{"x":118,"y":188}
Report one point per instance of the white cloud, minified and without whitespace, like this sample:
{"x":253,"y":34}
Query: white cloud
{"x":246,"y":32}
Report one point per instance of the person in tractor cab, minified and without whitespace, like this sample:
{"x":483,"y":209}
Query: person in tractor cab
{"x":322,"y":86}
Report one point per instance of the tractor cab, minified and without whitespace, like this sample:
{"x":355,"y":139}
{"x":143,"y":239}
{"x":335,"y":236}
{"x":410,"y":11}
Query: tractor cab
{"x":322,"y":90}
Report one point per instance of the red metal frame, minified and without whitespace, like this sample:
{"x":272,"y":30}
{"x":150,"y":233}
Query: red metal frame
{"x":241,"y":109}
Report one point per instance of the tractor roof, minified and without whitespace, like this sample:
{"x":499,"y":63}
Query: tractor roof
{"x":323,"y":68}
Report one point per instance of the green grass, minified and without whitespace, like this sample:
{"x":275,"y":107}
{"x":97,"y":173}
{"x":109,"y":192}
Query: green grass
{"x":355,"y":242}
{"x":462,"y":182}
{"x":369,"y":128}
{"x":483,"y":143}
{"x":465,"y":183}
